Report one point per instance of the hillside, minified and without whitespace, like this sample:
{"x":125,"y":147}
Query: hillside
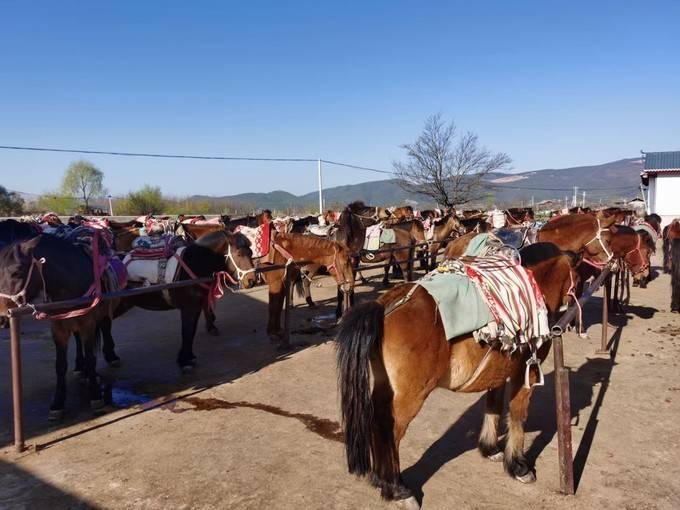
{"x":606,"y":182}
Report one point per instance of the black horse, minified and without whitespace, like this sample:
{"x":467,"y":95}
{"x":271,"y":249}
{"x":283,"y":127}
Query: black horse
{"x":59,"y":270}
{"x":212,"y":253}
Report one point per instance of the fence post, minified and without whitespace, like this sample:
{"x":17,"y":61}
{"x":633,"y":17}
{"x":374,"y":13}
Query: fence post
{"x":563,"y":409}
{"x":17,"y":393}
{"x":288,"y":298}
{"x":411,"y":257}
{"x":605,"y":322}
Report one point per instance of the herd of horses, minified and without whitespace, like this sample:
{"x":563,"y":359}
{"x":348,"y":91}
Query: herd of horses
{"x":391,"y":354}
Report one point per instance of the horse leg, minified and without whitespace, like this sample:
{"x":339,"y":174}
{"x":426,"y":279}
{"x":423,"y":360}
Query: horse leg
{"x":79,"y":369}
{"x":108,"y":345}
{"x":60,"y":337}
{"x":515,"y":462}
{"x":386,"y":276}
{"x":675,"y":276}
{"x":488,"y":437}
{"x":276,"y":299}
{"x":210,"y":319}
{"x":89,"y":335}
{"x":186,"y":358}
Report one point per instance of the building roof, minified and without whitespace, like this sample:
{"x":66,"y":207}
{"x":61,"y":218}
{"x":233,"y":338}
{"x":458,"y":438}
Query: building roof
{"x":661,"y":162}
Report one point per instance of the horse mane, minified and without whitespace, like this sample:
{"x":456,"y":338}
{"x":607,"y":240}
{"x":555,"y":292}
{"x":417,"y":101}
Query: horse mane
{"x":566,"y":220}
{"x":356,"y":207}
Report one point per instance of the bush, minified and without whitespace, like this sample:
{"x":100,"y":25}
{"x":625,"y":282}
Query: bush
{"x":11,"y":204}
{"x":57,"y":203}
{"x":147,"y":200}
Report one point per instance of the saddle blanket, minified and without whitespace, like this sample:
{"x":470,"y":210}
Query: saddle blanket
{"x":151,"y":271}
{"x":319,"y":230}
{"x":155,"y":247}
{"x":646,"y":227}
{"x":494,"y":298}
{"x":259,"y":238}
{"x":377,"y":235}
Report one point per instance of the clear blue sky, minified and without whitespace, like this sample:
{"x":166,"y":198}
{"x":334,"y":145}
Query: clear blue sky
{"x":554,"y":84}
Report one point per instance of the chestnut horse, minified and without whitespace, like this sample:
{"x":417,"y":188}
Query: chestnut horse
{"x":670,"y":232}
{"x":409,"y":355}
{"x":289,"y":248}
{"x":443,"y":229}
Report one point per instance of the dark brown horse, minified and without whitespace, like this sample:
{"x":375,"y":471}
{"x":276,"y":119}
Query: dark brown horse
{"x":58,"y":270}
{"x":291,"y":248}
{"x":406,"y":353}
{"x":215,"y":252}
{"x":351,"y":232}
{"x":670,"y":233}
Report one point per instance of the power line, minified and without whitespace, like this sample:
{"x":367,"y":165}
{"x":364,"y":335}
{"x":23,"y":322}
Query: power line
{"x":248,"y":158}
{"x":150,"y":155}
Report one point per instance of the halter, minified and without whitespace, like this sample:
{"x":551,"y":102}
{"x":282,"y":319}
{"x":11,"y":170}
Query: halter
{"x":240,"y":273}
{"x":19,"y":298}
{"x":598,"y":238}
{"x":643,"y":263}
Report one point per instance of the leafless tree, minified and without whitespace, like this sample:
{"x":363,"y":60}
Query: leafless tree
{"x":450,"y":168}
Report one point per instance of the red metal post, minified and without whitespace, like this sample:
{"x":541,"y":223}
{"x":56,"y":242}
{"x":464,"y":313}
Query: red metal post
{"x":17,"y":393}
{"x":604,"y":339}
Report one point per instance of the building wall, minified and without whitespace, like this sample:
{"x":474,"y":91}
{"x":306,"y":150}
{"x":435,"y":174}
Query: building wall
{"x":664,"y":196}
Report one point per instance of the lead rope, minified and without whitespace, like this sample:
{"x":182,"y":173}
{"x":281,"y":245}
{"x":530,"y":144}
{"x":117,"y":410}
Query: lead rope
{"x":572,"y":293}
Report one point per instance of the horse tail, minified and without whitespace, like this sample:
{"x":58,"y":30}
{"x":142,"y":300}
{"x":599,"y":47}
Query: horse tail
{"x":358,"y":339}
{"x":300,"y":285}
{"x":675,"y":275}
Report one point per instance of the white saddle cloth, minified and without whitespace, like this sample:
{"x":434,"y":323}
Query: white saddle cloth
{"x":153,"y":271}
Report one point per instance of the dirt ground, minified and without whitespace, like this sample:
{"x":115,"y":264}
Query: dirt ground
{"x":252,"y":427}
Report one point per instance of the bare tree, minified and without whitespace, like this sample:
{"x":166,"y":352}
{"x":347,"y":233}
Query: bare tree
{"x":449,"y":168}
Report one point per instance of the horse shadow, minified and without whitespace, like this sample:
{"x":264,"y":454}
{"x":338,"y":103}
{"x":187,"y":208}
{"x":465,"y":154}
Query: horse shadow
{"x":147,"y":343}
{"x":583,"y":395}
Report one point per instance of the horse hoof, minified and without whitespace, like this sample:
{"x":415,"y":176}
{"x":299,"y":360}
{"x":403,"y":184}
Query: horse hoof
{"x":187,"y":369}
{"x":529,"y":477}
{"x":496,"y":457}
{"x":410,"y":503}
{"x":97,"y":404}
{"x":114,"y":363}
{"x":55,"y":415}
{"x":214,"y":332}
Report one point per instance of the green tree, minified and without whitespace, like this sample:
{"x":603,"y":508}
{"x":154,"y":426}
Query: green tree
{"x":57,"y":203}
{"x":147,"y":200}
{"x":11,"y":204}
{"x":84,"y":181}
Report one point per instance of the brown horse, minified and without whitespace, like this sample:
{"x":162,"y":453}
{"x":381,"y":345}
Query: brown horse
{"x":443,"y":229}
{"x":580,"y":233}
{"x":194,"y":231}
{"x":289,"y":248}
{"x":518,"y":216}
{"x":409,"y":356}
{"x":670,"y":233}
{"x":399,"y":214}
{"x":351,"y":232}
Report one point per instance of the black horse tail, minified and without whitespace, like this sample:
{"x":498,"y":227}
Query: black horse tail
{"x":360,"y":335}
{"x":675,"y":275}
{"x":666,"y":251}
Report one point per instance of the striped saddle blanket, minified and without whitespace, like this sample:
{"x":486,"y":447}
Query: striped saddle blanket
{"x":495,"y":298}
{"x":259,"y":238}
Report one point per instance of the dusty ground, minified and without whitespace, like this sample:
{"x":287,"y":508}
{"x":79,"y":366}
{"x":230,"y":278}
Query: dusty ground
{"x":254,"y":428}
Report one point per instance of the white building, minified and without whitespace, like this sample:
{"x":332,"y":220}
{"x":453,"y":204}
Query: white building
{"x":661,"y":177}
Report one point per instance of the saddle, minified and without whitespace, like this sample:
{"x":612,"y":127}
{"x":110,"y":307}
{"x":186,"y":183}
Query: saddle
{"x":377,"y":235}
{"x":514,"y":237}
{"x":320,"y":230}
{"x":154,"y":259}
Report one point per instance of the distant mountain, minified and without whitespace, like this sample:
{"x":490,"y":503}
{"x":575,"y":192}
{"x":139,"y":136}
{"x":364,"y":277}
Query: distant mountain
{"x":606,"y":182}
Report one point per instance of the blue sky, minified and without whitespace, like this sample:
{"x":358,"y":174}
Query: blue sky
{"x":554,"y":84}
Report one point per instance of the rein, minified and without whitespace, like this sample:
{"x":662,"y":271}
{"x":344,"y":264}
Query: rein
{"x":644,"y":265}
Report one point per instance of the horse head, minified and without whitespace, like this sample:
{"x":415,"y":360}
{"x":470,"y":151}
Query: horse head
{"x":20,"y":274}
{"x":344,"y":269}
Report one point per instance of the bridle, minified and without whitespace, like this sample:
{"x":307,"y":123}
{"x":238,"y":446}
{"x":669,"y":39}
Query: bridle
{"x":643,"y":264}
{"x":240,"y":273}
{"x":19,"y":298}
{"x":598,"y":238}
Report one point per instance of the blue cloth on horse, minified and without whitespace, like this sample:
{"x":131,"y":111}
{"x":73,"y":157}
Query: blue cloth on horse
{"x":461,"y":306}
{"x":511,"y":236}
{"x":387,"y":236}
{"x":476,"y":245}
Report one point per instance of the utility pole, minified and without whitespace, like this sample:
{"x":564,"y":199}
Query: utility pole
{"x":574,"y":203}
{"x":110,"y":206}
{"x":583,"y":202}
{"x":532,"y":201}
{"x":566,"y":202}
{"x":318,"y":171}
